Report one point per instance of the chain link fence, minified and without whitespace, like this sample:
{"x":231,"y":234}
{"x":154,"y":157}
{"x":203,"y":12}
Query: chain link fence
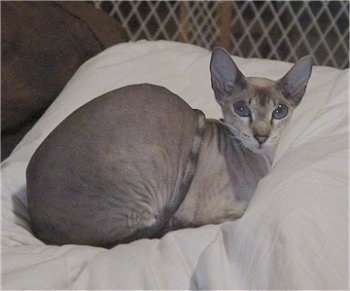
{"x":282,"y":30}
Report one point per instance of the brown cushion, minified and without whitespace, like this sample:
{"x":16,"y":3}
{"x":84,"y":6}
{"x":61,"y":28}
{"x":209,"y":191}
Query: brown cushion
{"x":43,"y":44}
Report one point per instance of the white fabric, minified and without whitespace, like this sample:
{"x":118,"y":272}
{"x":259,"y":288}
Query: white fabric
{"x":294,"y":234}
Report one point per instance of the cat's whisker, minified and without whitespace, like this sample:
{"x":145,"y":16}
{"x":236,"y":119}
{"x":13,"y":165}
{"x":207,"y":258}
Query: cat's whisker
{"x":237,"y":136}
{"x":231,"y":128}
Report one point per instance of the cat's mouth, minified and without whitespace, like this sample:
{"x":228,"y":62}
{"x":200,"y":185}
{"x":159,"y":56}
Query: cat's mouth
{"x":260,"y":148}
{"x":257,"y":147}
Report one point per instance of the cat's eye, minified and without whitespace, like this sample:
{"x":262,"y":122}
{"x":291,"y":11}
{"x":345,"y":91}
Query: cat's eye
{"x":280,"y":112}
{"x":242,"y":109}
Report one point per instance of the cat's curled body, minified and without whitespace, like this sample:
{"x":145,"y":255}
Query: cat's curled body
{"x":138,"y":162}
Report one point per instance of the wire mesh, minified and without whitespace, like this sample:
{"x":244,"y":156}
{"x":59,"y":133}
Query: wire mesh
{"x":287,"y":30}
{"x":282,"y":30}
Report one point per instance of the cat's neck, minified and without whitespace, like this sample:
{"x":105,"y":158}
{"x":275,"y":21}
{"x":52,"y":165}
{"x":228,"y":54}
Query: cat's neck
{"x":242,"y":163}
{"x":225,"y":179}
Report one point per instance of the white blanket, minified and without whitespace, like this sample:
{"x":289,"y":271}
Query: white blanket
{"x":294,"y":234}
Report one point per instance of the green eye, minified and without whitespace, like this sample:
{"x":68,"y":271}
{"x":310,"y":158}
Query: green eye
{"x":280,"y":112}
{"x":242,"y":109}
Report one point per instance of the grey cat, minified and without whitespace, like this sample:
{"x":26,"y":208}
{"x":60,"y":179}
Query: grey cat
{"x":138,"y":161}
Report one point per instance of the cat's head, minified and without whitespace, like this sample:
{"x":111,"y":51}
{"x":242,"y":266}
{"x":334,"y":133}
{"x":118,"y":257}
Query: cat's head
{"x":256,"y":110}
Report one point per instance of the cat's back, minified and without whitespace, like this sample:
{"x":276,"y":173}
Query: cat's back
{"x":127,"y":147}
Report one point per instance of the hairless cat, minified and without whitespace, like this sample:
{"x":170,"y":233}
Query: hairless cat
{"x":138,"y":161}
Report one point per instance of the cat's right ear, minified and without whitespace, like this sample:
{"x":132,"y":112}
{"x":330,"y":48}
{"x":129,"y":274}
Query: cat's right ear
{"x":226,"y":78}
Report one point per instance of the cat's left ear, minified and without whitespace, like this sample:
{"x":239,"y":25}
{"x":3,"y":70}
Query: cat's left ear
{"x":293,"y":84}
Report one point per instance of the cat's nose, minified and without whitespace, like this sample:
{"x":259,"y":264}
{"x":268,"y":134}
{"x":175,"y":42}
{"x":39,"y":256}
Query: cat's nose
{"x":261,"y":138}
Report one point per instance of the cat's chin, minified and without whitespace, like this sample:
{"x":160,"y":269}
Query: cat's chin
{"x":259,"y":150}
{"x":262,"y":148}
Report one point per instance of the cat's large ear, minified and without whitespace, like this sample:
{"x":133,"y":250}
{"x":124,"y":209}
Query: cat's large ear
{"x":293,"y":84}
{"x":226,"y":78}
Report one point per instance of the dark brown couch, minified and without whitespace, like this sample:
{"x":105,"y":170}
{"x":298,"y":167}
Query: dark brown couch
{"x":43,"y":44}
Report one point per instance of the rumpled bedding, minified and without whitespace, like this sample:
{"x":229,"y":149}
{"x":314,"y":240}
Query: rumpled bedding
{"x":294,"y":234}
